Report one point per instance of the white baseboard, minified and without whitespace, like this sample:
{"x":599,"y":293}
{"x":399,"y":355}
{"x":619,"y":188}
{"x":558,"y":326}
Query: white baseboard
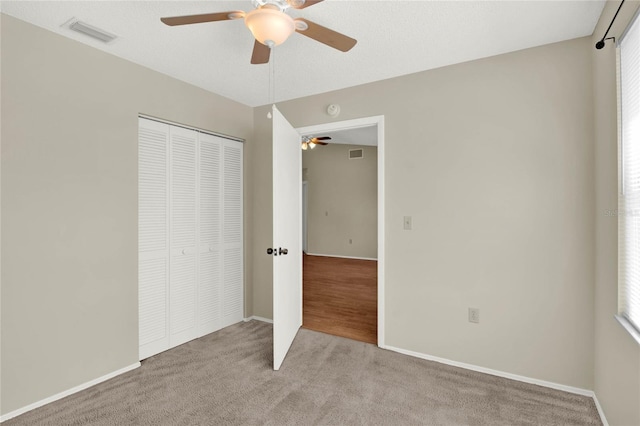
{"x":600,"y":411}
{"x":552,"y":385}
{"x":341,"y":257}
{"x":254,"y":317}
{"x":68,"y":392}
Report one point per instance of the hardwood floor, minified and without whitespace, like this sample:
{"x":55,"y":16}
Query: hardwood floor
{"x":340,"y":297}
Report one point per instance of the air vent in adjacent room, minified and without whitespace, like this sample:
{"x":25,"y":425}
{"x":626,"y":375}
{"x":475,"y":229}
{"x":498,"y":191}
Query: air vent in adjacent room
{"x":356,"y":154}
{"x":91,"y":31}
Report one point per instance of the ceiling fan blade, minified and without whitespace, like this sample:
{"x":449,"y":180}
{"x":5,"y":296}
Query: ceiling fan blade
{"x":260,"y":53}
{"x":325,"y":35}
{"x":321,"y":143}
{"x":306,"y":4}
{"x":207,"y":17}
{"x":322,"y":138}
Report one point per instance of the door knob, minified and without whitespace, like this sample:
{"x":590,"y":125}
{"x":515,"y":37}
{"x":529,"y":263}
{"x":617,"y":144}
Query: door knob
{"x":277,"y":251}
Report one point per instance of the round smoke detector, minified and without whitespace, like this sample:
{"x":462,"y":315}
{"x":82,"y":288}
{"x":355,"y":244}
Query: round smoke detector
{"x":333,"y":110}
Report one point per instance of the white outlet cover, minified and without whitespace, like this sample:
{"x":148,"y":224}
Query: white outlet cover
{"x":474,"y":315}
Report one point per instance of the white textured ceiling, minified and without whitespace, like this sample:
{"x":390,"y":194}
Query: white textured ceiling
{"x":394,"y":38}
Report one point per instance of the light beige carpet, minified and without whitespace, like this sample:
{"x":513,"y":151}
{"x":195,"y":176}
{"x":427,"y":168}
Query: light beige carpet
{"x":227,"y":378}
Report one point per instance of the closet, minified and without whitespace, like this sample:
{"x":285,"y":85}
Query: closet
{"x":190,"y":251}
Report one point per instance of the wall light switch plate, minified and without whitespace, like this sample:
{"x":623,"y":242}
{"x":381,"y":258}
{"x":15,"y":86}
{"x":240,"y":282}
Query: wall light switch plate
{"x":407,"y":223}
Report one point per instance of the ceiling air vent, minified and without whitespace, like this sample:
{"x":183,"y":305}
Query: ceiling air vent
{"x":91,"y":31}
{"x":356,"y":154}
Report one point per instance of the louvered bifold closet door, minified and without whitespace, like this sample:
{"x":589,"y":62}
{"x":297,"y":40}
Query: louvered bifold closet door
{"x":153,"y":238}
{"x":232,"y":234}
{"x":210,"y":209}
{"x":183,"y":229}
{"x":190,"y":235}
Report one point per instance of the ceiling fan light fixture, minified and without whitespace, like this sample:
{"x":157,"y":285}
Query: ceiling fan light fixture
{"x":270,"y":27}
{"x":312,"y":145}
{"x":304,"y":146}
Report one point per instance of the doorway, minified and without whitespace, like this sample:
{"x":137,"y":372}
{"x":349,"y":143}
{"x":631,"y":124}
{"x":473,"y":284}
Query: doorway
{"x":344,"y":281}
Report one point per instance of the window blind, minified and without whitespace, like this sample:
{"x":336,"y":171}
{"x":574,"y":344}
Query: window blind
{"x":629,"y":193}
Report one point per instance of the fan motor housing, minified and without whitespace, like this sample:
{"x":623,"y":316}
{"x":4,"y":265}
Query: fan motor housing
{"x":280,"y":4}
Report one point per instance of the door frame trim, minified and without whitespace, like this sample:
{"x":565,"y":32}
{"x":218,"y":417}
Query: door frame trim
{"x":305,"y":187}
{"x":377,"y":121}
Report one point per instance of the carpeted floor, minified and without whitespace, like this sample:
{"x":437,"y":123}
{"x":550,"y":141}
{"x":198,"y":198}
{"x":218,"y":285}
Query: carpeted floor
{"x":227,"y":378}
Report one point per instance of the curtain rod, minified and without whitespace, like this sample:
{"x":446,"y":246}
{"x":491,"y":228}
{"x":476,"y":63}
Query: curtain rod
{"x":600,"y":44}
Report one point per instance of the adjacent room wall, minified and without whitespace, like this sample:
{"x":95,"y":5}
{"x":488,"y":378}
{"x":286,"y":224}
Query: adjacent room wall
{"x":617,"y":355}
{"x":342,"y":201}
{"x":493,"y":159}
{"x":69,"y":204}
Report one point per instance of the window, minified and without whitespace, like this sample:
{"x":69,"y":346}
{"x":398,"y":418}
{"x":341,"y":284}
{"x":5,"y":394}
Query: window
{"x":629,"y":182}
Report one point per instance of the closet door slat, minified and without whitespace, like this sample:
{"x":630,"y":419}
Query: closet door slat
{"x":183,"y":229}
{"x":233,"y":292}
{"x":153,"y":238}
{"x":210,"y":281}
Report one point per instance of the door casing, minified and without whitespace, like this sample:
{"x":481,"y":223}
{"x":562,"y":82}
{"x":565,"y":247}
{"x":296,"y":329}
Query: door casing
{"x":377,"y":121}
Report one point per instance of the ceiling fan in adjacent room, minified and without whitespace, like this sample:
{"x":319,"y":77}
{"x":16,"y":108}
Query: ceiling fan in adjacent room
{"x":271,"y":26}
{"x":310,"y":143}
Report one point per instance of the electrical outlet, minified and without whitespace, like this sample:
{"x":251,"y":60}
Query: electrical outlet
{"x":474,"y":315}
{"x":407,"y":223}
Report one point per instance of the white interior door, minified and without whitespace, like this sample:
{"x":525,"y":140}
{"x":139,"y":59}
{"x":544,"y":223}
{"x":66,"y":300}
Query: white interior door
{"x":287,"y":236}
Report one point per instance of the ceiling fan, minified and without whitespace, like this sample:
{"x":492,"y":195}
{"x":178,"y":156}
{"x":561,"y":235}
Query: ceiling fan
{"x":310,"y":143}
{"x":271,"y":26}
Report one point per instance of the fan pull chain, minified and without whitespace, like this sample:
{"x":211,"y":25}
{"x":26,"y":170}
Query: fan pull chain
{"x":273,"y":74}
{"x":272,"y":80}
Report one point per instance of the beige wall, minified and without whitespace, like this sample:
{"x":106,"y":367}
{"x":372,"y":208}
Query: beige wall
{"x":617,"y":355}
{"x":69,"y":204}
{"x":494,"y":161}
{"x":342,"y":201}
